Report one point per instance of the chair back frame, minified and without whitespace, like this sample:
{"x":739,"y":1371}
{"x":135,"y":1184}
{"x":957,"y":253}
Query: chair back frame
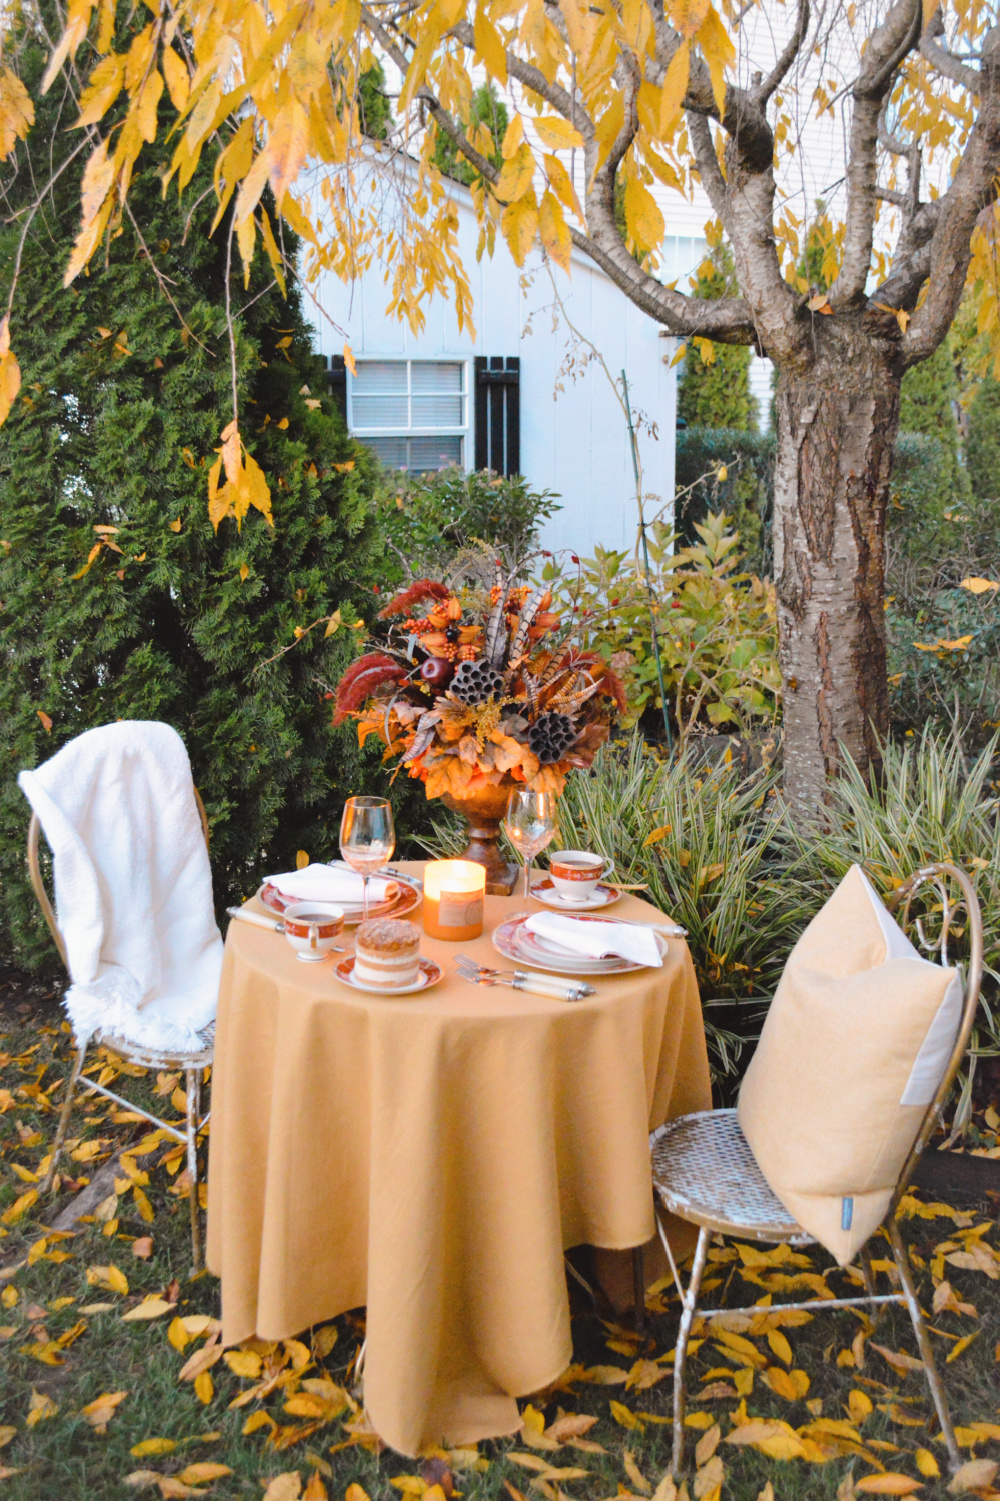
{"x":936,"y":875}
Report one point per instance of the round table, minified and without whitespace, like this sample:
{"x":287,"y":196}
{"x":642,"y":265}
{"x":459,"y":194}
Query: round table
{"x":431,"y":1157}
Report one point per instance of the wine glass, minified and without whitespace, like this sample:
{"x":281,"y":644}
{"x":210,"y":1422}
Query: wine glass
{"x":530,"y":824}
{"x":367,"y":837}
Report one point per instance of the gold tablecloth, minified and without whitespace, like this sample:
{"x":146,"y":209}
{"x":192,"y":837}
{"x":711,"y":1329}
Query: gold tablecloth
{"x":431,"y":1156}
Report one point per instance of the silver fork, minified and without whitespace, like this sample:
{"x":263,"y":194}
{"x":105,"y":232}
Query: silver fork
{"x":523,"y":980}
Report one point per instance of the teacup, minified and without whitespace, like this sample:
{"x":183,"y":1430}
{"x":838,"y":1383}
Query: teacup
{"x":311,"y":928}
{"x":576,"y":873}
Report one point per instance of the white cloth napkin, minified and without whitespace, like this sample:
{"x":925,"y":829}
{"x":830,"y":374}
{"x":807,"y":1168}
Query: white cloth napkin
{"x":133,"y":884}
{"x":333,"y":883}
{"x":597,"y":939}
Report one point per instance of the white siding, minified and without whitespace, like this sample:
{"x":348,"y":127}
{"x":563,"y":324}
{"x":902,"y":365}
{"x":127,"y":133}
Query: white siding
{"x":575,"y":440}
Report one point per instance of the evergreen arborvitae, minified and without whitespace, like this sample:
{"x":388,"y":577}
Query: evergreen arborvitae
{"x":718,"y":395}
{"x":119,"y":417}
{"x":983,"y":445}
{"x":928,"y":403}
{"x":487,"y":109}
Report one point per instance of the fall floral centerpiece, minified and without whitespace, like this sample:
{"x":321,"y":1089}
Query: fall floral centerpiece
{"x":475,"y":691}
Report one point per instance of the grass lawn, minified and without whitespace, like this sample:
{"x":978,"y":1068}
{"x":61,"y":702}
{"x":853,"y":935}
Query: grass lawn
{"x":92,"y":1404}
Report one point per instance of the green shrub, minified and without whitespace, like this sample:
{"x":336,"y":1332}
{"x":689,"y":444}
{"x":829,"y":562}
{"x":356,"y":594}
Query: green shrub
{"x":715,"y":625}
{"x":119,"y":417}
{"x":430,"y":519}
{"x":746,"y":493}
{"x":715,"y":393}
{"x":983,"y":447}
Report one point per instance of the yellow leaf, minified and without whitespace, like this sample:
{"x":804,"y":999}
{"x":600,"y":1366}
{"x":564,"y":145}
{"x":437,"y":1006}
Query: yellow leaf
{"x":513,"y":139}
{"x":561,"y":184}
{"x":175,"y":526}
{"x":315,"y":1489}
{"x":150,"y":1308}
{"x":625,"y":1417}
{"x":110,"y":1277}
{"x":973,"y":1474}
{"x":348,"y":361}
{"x":978,"y":586}
{"x":688,"y":16}
{"x":355,"y":1493}
{"x":176,"y":74}
{"x":7,"y":1432}
{"x":960,"y":1346}
{"x":674,"y":88}
{"x":519,"y":223}
{"x":779,"y":1345}
{"x":273,"y":253}
{"x":177,"y":1335}
{"x":243,"y":1363}
{"x":516,"y":175}
{"x":17,"y":113}
{"x":40,"y":1407}
{"x":244,"y":573}
{"x":489,"y":46}
{"x":99,"y":1412}
{"x":286,"y":1488}
{"x":145,"y":1209}
{"x":926,"y":1463}
{"x":204,"y":1388}
{"x":888,"y":1484}
{"x":556,"y":133}
{"x":203,"y":1470}
{"x":707,"y":1445}
{"x":643,"y":219}
{"x":718,"y":52}
{"x":287,"y":145}
{"x":553,"y":232}
{"x":859,"y":1405}
{"x":153,"y":1447}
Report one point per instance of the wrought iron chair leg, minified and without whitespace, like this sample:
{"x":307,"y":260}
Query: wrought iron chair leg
{"x":923,"y":1342}
{"x":868,"y":1273}
{"x":680,"y":1355}
{"x":64,"y":1115}
{"x":639,"y":1288}
{"x":192,"y":1165}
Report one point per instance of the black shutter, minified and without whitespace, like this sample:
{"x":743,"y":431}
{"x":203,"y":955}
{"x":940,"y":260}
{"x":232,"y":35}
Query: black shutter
{"x":498,"y":414}
{"x":337,"y":378}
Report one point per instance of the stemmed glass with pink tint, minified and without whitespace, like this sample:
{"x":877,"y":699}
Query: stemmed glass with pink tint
{"x":367,"y":837}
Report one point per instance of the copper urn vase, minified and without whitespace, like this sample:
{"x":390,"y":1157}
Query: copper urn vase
{"x":482,"y":812}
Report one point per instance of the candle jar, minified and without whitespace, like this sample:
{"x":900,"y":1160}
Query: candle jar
{"x":453,"y":899}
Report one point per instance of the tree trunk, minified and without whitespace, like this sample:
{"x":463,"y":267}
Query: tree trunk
{"x":837,"y":423}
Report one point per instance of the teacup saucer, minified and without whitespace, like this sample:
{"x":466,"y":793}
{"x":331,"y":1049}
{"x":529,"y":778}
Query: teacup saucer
{"x":430,"y":974}
{"x":603,"y":895}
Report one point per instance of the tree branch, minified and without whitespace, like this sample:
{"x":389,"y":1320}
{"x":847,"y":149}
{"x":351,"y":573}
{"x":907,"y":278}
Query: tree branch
{"x":973,"y":188}
{"x":888,"y":45}
{"x":763,"y":91}
{"x":943,"y":61}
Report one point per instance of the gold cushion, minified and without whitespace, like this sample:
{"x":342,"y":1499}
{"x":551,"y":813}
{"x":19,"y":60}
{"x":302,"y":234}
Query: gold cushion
{"x":853,"y":1048}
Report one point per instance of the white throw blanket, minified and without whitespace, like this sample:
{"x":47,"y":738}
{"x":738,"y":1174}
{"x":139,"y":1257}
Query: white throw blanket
{"x":595,"y":939}
{"x":133,"y":885}
{"x":333,"y":883}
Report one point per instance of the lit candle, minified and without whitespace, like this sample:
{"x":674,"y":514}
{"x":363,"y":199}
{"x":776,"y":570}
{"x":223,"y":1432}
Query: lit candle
{"x":453,"y":899}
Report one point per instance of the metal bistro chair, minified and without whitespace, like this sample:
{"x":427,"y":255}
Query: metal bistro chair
{"x":705,"y":1172}
{"x":192,"y":1063}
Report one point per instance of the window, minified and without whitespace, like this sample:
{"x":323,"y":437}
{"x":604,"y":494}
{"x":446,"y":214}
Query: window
{"x":412,"y":413}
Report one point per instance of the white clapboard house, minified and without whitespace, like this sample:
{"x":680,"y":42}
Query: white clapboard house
{"x":520,"y":396}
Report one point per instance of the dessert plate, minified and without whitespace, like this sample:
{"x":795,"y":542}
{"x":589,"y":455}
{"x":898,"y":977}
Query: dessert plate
{"x":602,"y":896}
{"x":515,"y":943}
{"x":430,"y":974}
{"x":409,"y":896}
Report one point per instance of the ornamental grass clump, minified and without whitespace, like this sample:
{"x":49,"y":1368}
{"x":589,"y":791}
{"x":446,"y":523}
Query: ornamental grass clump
{"x":712,"y":848}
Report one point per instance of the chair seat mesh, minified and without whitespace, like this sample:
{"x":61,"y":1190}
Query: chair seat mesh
{"x":704,"y":1171}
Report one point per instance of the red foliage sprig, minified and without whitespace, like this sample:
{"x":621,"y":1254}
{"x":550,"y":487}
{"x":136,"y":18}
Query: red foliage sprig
{"x":424,"y":589}
{"x":362,"y":679}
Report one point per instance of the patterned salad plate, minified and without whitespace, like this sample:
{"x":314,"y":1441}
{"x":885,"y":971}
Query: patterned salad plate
{"x":408,"y":896}
{"x":430,"y":974}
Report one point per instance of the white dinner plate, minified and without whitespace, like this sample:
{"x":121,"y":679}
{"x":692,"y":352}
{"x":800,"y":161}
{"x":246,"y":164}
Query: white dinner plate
{"x":510,"y":940}
{"x":409,"y":896}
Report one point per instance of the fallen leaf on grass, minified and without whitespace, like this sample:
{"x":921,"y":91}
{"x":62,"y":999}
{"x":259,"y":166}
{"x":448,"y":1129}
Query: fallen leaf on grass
{"x":709,"y":1479}
{"x":142,"y":1246}
{"x":315,"y":1489}
{"x":170,"y":1486}
{"x":355,"y":1493}
{"x":323,"y":1341}
{"x":40,"y":1407}
{"x":203,"y":1470}
{"x":888,"y":1484}
{"x":7,"y":1432}
{"x":571,"y":1426}
{"x":97,"y":1308}
{"x":204,"y":1387}
{"x":100,"y":1412}
{"x":285,"y":1488}
{"x":707,"y":1445}
{"x":646,"y":1374}
{"x":772,"y":1437}
{"x":960,"y":1346}
{"x":243,"y":1363}
{"x":859,"y":1405}
{"x":667,"y":1490}
{"x":974,"y":1473}
{"x":154,"y":1446}
{"x":626,"y":1417}
{"x":110,"y":1277}
{"x":152,"y":1307}
{"x":634,"y":1474}
{"x":606,"y":1376}
{"x":898,"y":1360}
{"x":205,"y":1357}
{"x":926,"y":1463}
